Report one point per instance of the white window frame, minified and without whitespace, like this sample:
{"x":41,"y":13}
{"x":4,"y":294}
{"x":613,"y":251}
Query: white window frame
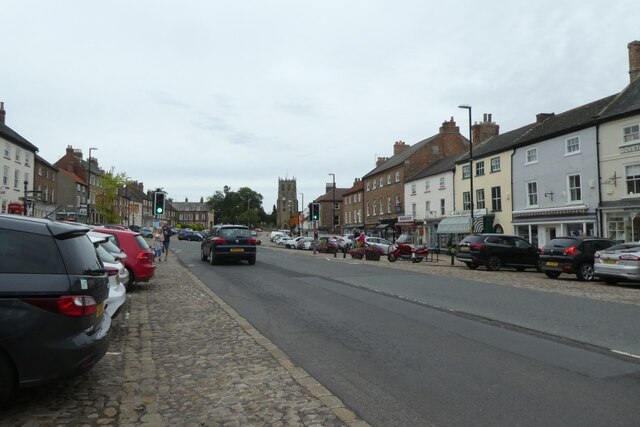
{"x":442,"y":183}
{"x":466,"y":200}
{"x":531,"y":156}
{"x":480,"y":201}
{"x":388,"y":205}
{"x":388,"y":179}
{"x":572,"y":146}
{"x":397,"y":176}
{"x":466,"y":172}
{"x":572,"y":192}
{"x":495,"y":164}
{"x":631,"y":134}
{"x":532,"y":193}
{"x":368,"y":185}
{"x":632,"y":177}
{"x":427,"y":186}
{"x":480,"y":168}
{"x":413,"y":189}
{"x":374,"y":184}
{"x":381,"y":182}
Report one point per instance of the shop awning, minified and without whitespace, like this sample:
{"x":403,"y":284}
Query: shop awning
{"x":382,"y":226}
{"x":454,"y":225}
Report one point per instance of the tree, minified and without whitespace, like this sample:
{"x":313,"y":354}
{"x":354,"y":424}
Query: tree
{"x":106,"y":201}
{"x":237,"y":207}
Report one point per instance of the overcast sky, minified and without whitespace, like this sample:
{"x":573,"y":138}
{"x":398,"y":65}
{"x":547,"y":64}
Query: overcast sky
{"x":194,"y":95}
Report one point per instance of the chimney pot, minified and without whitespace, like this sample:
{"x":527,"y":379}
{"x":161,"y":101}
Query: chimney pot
{"x":634,"y":60}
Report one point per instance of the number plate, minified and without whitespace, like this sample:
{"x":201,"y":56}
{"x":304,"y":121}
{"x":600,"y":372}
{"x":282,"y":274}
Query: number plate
{"x":464,"y":248}
{"x":609,"y":261}
{"x":99,"y":310}
{"x":236,"y":250}
{"x":552,"y":264}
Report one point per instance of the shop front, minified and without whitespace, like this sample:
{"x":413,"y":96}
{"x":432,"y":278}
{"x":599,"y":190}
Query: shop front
{"x":452,"y":229}
{"x":412,"y":228}
{"x":539,"y":226}
{"x":621,"y":220}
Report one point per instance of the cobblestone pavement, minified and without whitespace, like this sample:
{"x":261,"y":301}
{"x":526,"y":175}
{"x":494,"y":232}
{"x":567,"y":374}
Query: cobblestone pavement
{"x":180,"y":356}
{"x":565,"y":284}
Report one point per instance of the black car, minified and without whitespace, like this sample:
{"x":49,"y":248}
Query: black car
{"x":228,"y":242}
{"x":497,"y":250}
{"x":192,"y":236}
{"x":52,"y":293}
{"x":572,"y":255}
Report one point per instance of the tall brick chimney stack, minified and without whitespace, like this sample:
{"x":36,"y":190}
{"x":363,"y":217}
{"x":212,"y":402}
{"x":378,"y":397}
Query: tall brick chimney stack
{"x":381,"y":160}
{"x":485,"y":130}
{"x":3,"y":113}
{"x":399,"y":147}
{"x":634,"y":60}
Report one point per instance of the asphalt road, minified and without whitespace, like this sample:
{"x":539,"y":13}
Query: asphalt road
{"x":406,"y":348}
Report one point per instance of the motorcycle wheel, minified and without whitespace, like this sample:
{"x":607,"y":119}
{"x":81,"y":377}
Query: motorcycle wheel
{"x":417,"y":259}
{"x":391,"y":258}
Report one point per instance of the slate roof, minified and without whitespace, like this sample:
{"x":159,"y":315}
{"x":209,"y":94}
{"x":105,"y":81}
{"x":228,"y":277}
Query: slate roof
{"x":399,"y":158}
{"x":10,"y":135}
{"x":626,"y":102}
{"x":498,"y":143}
{"x":328,"y":196}
{"x":443,"y":165}
{"x":191,"y":207}
{"x":74,"y":177}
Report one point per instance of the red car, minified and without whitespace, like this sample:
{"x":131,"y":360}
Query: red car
{"x":139,"y":260}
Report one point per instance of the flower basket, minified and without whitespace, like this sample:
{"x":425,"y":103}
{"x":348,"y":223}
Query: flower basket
{"x":373,"y":252}
{"x":372,"y":256}
{"x":357,"y":256}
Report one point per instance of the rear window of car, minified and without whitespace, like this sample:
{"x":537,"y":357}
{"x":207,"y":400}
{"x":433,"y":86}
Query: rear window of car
{"x":79,"y":255}
{"x":236,"y":232}
{"x":628,"y":247}
{"x":141,"y":242}
{"x":562,"y":243}
{"x":473,"y":239}
{"x":30,"y":253}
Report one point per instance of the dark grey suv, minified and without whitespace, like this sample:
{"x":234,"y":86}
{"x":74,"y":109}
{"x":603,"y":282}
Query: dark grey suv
{"x":497,"y":250}
{"x":572,"y":255}
{"x":52,"y":293}
{"x":228,"y":242}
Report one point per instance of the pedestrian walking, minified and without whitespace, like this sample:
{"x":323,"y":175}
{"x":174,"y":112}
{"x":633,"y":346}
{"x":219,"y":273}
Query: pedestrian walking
{"x":166,"y":233}
{"x":158,"y":243}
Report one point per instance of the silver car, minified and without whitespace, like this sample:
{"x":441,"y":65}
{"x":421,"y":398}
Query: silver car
{"x":619,"y":263}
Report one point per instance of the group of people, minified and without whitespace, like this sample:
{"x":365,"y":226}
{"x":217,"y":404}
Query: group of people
{"x":161,"y":240}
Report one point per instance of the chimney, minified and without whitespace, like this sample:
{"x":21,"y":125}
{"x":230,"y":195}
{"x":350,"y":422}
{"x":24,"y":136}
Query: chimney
{"x":399,"y":147}
{"x":3,"y":113}
{"x":485,"y":130}
{"x":328,"y":187}
{"x":449,"y":127}
{"x":186,"y":200}
{"x":381,"y":160}
{"x":541,"y":117}
{"x":634,"y":60}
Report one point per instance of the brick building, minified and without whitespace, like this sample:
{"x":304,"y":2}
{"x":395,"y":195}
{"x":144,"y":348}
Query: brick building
{"x":353,"y":208}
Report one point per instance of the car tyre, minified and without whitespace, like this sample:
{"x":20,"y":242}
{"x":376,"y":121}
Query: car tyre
{"x":585,"y":272}
{"x":212,"y":257}
{"x":552,"y":274}
{"x":494,"y":263}
{"x":471,"y":266}
{"x":252,"y":260}
{"x":203,"y":255}
{"x":132,"y":278}
{"x":7,"y":380}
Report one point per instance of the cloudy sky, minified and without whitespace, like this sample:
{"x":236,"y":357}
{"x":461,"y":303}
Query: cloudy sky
{"x":194,"y":95}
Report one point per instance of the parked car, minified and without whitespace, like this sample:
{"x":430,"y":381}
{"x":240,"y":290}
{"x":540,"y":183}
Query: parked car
{"x":572,"y":255}
{"x":52,"y":294}
{"x":192,"y":236}
{"x":306,"y":243}
{"x":134,"y":227}
{"x":115,"y":226}
{"x":618,"y":263}
{"x":118,"y":276}
{"x":110,"y":245}
{"x":293,"y":243}
{"x":495,"y":251}
{"x":146,"y":232}
{"x":381,"y":243}
{"x":282,"y":240}
{"x":229,"y":242}
{"x":139,"y":260}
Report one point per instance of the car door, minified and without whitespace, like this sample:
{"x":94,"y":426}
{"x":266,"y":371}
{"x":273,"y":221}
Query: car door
{"x":525,"y":252}
{"x":506,"y":246}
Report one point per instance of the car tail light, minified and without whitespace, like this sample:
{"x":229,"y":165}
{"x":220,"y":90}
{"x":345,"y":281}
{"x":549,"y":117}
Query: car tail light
{"x":629,"y":257}
{"x":219,"y":241}
{"x":573,"y":251}
{"x":252,"y":241}
{"x":112,"y":271}
{"x":477,"y":246}
{"x":144,"y":256}
{"x":68,"y":305}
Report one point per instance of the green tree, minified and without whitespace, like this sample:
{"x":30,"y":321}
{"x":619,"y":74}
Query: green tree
{"x":237,"y":207}
{"x":106,"y":201}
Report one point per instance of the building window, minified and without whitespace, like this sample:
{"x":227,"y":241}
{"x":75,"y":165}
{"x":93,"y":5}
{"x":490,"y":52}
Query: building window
{"x":466,"y":174}
{"x":16,"y":179}
{"x":5,"y":176}
{"x":27,"y":159}
{"x":572,"y":145}
{"x":375,"y":208}
{"x":442,"y":211}
{"x":631,"y":134}
{"x":18,"y":154}
{"x":466,"y":201}
{"x":413,"y":209}
{"x":368,"y":209}
{"x":479,"y":168}
{"x":6,"y":150}
{"x":575,"y":192}
{"x":427,"y":207}
{"x":532,"y":156}
{"x":427,"y":186}
{"x":442,"y":183}
{"x":413,"y":189}
{"x":388,"y":205}
{"x":398,"y":176}
{"x":480,"y":203}
{"x":368,"y":185}
{"x":374,"y":184}
{"x":496,"y":199}
{"x":381,"y":182}
{"x":398,"y":205}
{"x":495,"y":164}
{"x":532,"y":193}
{"x":633,"y":179}
{"x":615,"y":226}
{"x":388,"y":179}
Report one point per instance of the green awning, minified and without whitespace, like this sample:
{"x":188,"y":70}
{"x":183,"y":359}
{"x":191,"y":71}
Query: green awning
{"x":454,"y":225}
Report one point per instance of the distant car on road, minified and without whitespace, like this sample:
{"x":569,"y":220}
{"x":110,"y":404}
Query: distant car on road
{"x":228,"y":242}
{"x":146,"y":232}
{"x":572,"y":255}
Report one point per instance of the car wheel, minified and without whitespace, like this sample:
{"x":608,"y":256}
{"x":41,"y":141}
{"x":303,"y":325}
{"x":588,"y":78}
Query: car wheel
{"x":7,"y":380}
{"x":585,"y":272}
{"x":471,"y":266}
{"x":494,"y":263}
{"x":252,"y":260}
{"x":132,"y":278}
{"x":203,"y":254}
{"x":552,"y":274}
{"x":212,"y":257}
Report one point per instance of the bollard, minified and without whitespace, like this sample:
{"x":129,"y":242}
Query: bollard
{"x":451,"y":252}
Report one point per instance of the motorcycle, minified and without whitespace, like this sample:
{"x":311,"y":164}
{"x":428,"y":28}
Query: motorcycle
{"x":404,"y":251}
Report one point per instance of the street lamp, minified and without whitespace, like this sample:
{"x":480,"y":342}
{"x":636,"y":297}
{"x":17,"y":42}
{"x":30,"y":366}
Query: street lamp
{"x":89,"y":186}
{"x":468,"y":107}
{"x":299,"y":224}
{"x":333,"y":205}
{"x":26,"y":184}
{"x":126,"y":197}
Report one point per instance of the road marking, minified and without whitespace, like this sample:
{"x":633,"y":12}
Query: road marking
{"x":624,"y":353}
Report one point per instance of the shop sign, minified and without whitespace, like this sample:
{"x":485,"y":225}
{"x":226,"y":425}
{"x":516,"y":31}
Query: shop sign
{"x":476,"y":212}
{"x":630,"y":148}
{"x":405,"y":218}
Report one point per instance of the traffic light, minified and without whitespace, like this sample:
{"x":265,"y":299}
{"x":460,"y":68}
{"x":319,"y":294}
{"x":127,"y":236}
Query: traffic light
{"x":158,"y":203}
{"x":315,"y":211}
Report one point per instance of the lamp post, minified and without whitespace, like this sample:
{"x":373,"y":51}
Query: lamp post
{"x":468,"y":107}
{"x":299,"y":224}
{"x":26,"y":184}
{"x":126,"y":197}
{"x":89,"y":186}
{"x":333,"y":204}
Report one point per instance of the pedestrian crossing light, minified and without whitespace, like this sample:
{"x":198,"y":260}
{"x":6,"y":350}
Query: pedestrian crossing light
{"x":158,"y":203}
